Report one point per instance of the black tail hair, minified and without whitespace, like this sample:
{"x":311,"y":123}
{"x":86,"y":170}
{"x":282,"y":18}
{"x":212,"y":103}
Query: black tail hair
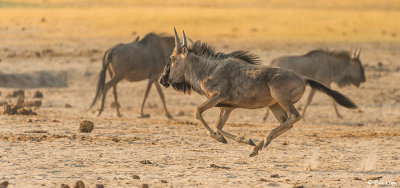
{"x":338,"y":97}
{"x":102,"y":77}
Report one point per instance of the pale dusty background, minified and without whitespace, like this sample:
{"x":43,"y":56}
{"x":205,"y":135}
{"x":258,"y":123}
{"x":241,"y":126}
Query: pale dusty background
{"x":61,"y":43}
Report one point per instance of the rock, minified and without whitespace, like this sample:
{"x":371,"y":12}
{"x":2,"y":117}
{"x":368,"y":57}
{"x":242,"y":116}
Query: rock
{"x":67,"y":106}
{"x":144,"y":186}
{"x":64,"y":186}
{"x":298,"y":186}
{"x":356,"y":178}
{"x":86,"y":127}
{"x":79,"y":184}
{"x":38,"y":94}
{"x":146,"y":162}
{"x":4,"y":184}
{"x":275,"y":176}
{"x":163,"y":181}
{"x":99,"y":186}
{"x":135,"y":177}
{"x":263,"y":179}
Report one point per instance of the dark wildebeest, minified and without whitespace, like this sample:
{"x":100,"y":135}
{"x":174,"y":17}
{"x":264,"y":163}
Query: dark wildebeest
{"x":236,"y":80}
{"x":136,"y":61}
{"x":326,"y":67}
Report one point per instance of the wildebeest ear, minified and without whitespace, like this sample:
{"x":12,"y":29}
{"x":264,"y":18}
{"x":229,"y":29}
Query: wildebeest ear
{"x":137,"y":38}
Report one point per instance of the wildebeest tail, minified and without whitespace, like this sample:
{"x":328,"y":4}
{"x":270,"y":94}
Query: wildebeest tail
{"x":338,"y":97}
{"x":102,"y":77}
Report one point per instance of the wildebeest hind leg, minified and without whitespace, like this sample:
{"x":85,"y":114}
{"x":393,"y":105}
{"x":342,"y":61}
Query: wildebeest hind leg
{"x":116,"y":100}
{"x":162,"y":99}
{"x":282,"y":108}
{"x":223,"y":117}
{"x":146,"y":93}
{"x":309,"y":99}
{"x":211,"y":102}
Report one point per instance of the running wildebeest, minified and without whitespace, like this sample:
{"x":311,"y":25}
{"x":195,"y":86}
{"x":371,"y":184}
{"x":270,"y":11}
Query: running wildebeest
{"x":326,"y":67}
{"x":237,"y":80}
{"x":136,"y":61}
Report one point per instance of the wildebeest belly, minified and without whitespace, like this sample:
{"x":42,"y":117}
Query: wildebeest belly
{"x":251,"y":99}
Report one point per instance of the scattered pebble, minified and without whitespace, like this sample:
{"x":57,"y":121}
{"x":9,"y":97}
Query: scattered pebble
{"x":115,"y":139}
{"x":285,"y":144}
{"x":298,"y":186}
{"x":67,"y":106}
{"x":356,"y":178}
{"x":4,"y":184}
{"x":275,"y":176}
{"x":163,"y":181}
{"x":144,"y":186}
{"x":86,"y":126}
{"x":146,"y":162}
{"x":79,"y":184}
{"x":64,"y":186}
{"x":263,"y":179}
{"x":99,"y":186}
{"x":135,"y":177}
{"x":218,"y":167}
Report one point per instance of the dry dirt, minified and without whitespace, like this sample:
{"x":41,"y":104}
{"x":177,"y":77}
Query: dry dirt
{"x":48,"y":150}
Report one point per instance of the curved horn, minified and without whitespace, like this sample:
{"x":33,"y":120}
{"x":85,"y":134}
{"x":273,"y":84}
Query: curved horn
{"x":184,"y":39}
{"x":359,"y":52}
{"x":177,"y":42}
{"x":355,"y":52}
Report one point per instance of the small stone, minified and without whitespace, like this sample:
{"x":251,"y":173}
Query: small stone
{"x":144,"y":186}
{"x":163,"y":181}
{"x":79,"y":184}
{"x":99,"y":186}
{"x":4,"y":184}
{"x":146,"y":162}
{"x":275,"y":176}
{"x":263,"y":179}
{"x":67,"y":106}
{"x":86,"y":127}
{"x":298,"y":186}
{"x":356,"y":178}
{"x":64,"y":186}
{"x":285,"y":143}
{"x":38,"y":94}
{"x":135,"y":177}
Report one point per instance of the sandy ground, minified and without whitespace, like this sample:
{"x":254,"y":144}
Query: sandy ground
{"x":47,"y":150}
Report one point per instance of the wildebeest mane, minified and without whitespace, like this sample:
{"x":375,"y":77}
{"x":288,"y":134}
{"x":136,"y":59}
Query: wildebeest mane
{"x":340,"y":54}
{"x":203,"y":49}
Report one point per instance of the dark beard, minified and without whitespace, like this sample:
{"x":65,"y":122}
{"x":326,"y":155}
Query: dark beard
{"x":182,"y":86}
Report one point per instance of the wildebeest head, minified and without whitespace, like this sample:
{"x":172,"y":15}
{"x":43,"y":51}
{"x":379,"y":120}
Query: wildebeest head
{"x":356,"y":68}
{"x":175,"y":69}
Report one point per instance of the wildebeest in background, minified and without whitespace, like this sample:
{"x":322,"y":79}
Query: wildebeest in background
{"x":326,"y":67}
{"x":236,"y":80}
{"x":136,"y":61}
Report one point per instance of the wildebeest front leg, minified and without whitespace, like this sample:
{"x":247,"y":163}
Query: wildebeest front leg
{"x":211,"y":102}
{"x":107,"y":86}
{"x":146,"y":93}
{"x":162,"y":99}
{"x":223,"y":117}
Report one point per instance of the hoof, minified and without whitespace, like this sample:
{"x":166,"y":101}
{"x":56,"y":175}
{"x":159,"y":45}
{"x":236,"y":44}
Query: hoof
{"x":144,"y":116}
{"x":253,"y":153}
{"x":219,"y":138}
{"x":169,"y":116}
{"x":251,"y":143}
